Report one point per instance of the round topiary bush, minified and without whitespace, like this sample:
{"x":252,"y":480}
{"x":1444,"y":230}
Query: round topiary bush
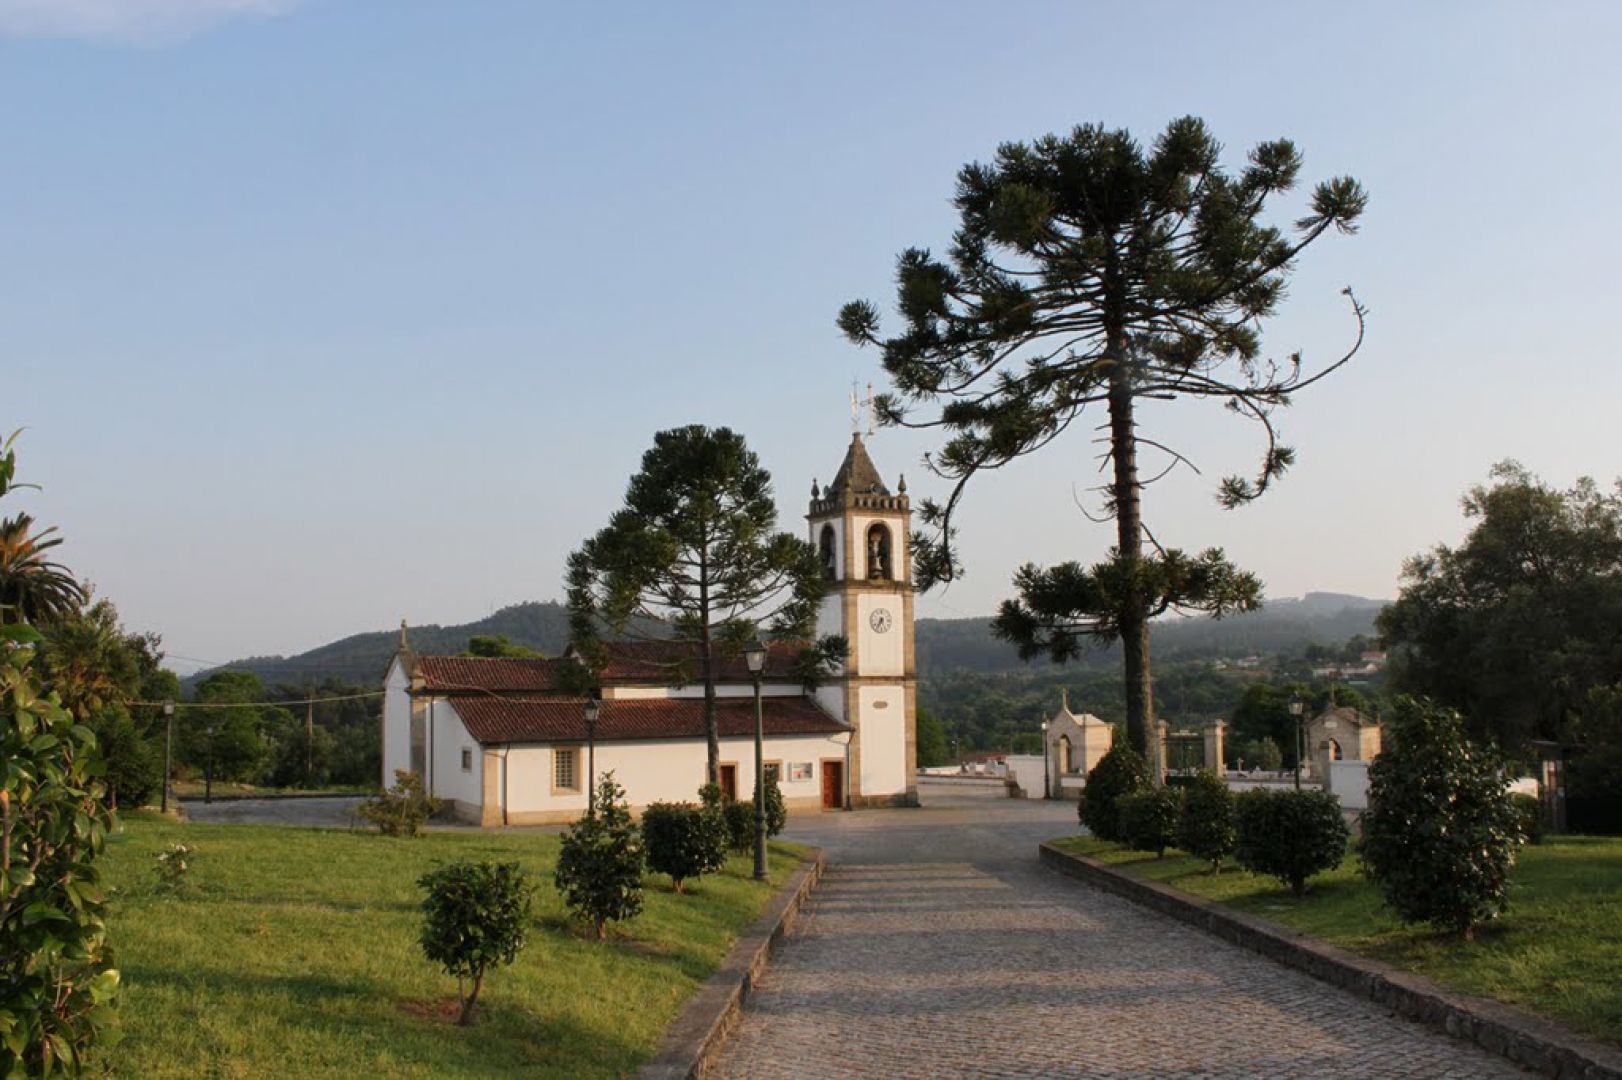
{"x":1440,"y":833}
{"x":681,"y":842}
{"x":740,"y":819}
{"x":1530,"y":812}
{"x":1208,"y":828}
{"x":1148,"y":819}
{"x":1290,"y":835}
{"x":1119,"y":772}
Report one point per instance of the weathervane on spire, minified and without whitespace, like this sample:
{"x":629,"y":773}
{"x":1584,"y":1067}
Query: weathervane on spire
{"x":861,"y":410}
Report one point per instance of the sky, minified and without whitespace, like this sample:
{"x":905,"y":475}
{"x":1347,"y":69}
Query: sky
{"x":321,"y":314}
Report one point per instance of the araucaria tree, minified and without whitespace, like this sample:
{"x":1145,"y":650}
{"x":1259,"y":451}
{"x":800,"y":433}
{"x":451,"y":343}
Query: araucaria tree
{"x":695,"y":553}
{"x":1087,"y":275}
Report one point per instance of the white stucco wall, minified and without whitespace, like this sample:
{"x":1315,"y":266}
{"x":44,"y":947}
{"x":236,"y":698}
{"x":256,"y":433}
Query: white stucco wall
{"x":1026,"y":771}
{"x":663,"y":770}
{"x":1349,"y":780}
{"x":449,"y":738}
{"x":396,"y":722}
{"x":883,"y":711}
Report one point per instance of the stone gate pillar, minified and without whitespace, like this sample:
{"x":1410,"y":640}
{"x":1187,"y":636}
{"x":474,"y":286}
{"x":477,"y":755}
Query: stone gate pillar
{"x":1157,"y":767}
{"x":1215,"y":744}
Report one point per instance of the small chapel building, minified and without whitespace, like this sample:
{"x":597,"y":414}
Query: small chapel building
{"x":504,"y":742}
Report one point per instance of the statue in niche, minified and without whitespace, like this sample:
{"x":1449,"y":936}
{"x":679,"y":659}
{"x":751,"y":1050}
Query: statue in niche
{"x":826,"y":546}
{"x":878,"y":553}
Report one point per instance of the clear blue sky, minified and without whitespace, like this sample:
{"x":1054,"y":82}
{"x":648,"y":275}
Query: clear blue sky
{"x":325,"y":313}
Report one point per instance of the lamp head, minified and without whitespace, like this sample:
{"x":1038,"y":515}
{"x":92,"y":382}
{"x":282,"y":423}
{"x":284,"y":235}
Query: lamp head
{"x":592,"y":707}
{"x":754,"y":654}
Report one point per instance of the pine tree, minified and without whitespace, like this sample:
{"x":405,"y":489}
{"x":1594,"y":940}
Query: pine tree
{"x":695,"y":552}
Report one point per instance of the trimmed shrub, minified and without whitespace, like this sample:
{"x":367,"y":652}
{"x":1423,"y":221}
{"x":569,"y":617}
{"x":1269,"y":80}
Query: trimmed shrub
{"x":599,"y":869}
{"x":1529,"y":812}
{"x":1208,"y":828}
{"x":1290,"y":835}
{"x":1119,"y":772}
{"x":681,"y":841}
{"x":1148,"y":819}
{"x":403,"y":809}
{"x":477,"y":918}
{"x":776,"y":809}
{"x":1440,"y":833}
{"x":740,"y":819}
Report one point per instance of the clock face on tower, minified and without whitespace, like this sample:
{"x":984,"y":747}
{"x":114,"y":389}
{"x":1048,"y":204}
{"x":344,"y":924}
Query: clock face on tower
{"x":879,"y":620}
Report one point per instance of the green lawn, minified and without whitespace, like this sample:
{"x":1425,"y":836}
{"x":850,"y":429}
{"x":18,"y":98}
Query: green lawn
{"x":294,"y":952}
{"x":1558,"y":951}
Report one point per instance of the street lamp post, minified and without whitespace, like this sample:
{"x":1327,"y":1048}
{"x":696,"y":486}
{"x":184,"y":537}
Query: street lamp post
{"x":1298,"y":710}
{"x":592,"y":705}
{"x":755,"y":656}
{"x":168,"y":749}
{"x":1047,"y":777}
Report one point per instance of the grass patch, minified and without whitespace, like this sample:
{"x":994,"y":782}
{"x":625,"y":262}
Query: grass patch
{"x":294,"y":952}
{"x":1558,"y":952}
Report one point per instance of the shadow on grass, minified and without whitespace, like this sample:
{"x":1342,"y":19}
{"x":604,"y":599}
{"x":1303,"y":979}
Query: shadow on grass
{"x":370,"y":1018}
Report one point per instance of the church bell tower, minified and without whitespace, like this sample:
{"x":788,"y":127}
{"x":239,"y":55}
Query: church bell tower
{"x":860,"y":530}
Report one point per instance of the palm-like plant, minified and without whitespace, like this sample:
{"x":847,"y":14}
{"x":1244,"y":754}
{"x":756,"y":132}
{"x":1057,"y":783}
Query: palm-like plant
{"x":32,"y":588}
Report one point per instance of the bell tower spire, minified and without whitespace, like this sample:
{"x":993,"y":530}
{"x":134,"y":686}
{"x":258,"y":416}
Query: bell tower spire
{"x":860,"y":529}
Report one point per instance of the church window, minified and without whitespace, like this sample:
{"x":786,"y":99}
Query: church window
{"x":774,"y":771}
{"x":565,"y":777}
{"x":826,"y":547}
{"x":467,"y":759}
{"x":878,"y":553}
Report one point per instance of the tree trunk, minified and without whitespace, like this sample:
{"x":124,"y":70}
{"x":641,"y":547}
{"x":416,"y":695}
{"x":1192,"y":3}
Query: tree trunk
{"x":1133,"y":615}
{"x":472,"y":1000}
{"x":712,"y":731}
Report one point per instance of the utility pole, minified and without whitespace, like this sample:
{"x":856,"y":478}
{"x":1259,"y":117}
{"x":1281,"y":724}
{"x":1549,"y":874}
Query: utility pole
{"x":309,"y":742}
{"x":168,"y":749}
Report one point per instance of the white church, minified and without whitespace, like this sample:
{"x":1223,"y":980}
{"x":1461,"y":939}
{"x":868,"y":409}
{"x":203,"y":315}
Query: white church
{"x":503,"y":743}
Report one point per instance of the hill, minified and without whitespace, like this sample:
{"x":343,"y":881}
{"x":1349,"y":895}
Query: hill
{"x":362,"y":658}
{"x":943,"y":644}
{"x":1282,"y":626}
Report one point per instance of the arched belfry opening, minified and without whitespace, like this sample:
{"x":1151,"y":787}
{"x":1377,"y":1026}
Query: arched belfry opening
{"x":825,"y":549}
{"x":879,"y":566}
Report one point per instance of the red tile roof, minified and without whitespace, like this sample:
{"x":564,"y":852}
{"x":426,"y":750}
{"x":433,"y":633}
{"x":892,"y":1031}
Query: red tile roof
{"x":497,"y":719}
{"x":448,"y":674}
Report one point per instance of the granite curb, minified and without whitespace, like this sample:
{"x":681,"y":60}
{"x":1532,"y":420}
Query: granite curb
{"x":1498,"y":1028}
{"x":695,"y":1039}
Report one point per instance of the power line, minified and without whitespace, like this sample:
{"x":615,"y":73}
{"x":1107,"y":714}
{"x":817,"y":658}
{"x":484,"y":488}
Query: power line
{"x":257,"y":704}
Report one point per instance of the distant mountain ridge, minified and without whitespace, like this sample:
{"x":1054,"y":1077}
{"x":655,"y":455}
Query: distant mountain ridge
{"x":943,"y":644}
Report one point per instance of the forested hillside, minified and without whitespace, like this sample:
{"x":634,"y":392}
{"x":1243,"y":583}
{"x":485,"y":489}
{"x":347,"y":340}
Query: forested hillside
{"x":946,"y":647}
{"x":362,"y":658}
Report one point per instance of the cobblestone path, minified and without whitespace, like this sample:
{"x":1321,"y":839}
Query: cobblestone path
{"x":936,"y":945}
